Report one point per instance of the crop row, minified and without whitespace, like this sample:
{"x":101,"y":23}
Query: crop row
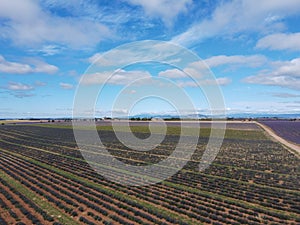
{"x":23,"y":207}
{"x":262,"y":155}
{"x":100,"y":204}
{"x":266,"y":196}
{"x":163,"y":198}
{"x":202,"y":213}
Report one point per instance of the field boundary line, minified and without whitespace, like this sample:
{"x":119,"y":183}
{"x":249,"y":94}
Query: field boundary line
{"x":293,"y":148}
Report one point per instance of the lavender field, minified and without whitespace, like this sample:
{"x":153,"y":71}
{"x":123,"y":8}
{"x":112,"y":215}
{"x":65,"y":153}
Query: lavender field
{"x":44,"y":179}
{"x":289,"y":130}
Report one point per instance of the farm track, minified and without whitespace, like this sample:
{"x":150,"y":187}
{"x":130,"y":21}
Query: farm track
{"x":242,"y":195}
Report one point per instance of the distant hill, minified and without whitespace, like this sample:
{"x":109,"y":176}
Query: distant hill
{"x":230,"y":115}
{"x":265,"y":115}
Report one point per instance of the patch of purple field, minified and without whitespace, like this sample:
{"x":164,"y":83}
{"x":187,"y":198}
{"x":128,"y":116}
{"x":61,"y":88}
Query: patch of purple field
{"x":289,"y":130}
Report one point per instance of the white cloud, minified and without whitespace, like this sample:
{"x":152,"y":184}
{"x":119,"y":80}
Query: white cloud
{"x":72,"y":73}
{"x":242,"y":60}
{"x":21,"y":90}
{"x":285,"y":95}
{"x":21,"y":94}
{"x":48,"y":50}
{"x":66,"y":86}
{"x":137,"y":52}
{"x":94,"y":58}
{"x":172,"y":73}
{"x":167,"y":10}
{"x":42,"y":67}
{"x":199,"y":71}
{"x":233,"y":17}
{"x":285,"y":74}
{"x":280,"y":41}
{"x":196,"y":70}
{"x":21,"y":68}
{"x":13,"y":86}
{"x":27,"y":23}
{"x":40,"y":83}
{"x":120,"y":77}
{"x":13,"y":67}
{"x":222,"y":81}
{"x":132,"y":92}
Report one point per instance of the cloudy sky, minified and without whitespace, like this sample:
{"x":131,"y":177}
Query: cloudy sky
{"x":252,"y":47}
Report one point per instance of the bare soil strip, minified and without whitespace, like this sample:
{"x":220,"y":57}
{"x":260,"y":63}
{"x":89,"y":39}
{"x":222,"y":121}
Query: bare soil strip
{"x":290,"y":146}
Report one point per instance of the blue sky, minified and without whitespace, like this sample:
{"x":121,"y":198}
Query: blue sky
{"x":252,"y":47}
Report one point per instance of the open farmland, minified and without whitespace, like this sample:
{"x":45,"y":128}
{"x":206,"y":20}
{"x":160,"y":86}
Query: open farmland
{"x":45,"y":180}
{"x":287,"y":129}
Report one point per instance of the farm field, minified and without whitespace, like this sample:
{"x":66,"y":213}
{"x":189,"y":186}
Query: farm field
{"x":45,"y":180}
{"x":289,"y":130}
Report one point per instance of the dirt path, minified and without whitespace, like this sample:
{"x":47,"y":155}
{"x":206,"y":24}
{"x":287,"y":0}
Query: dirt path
{"x":293,"y":148}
